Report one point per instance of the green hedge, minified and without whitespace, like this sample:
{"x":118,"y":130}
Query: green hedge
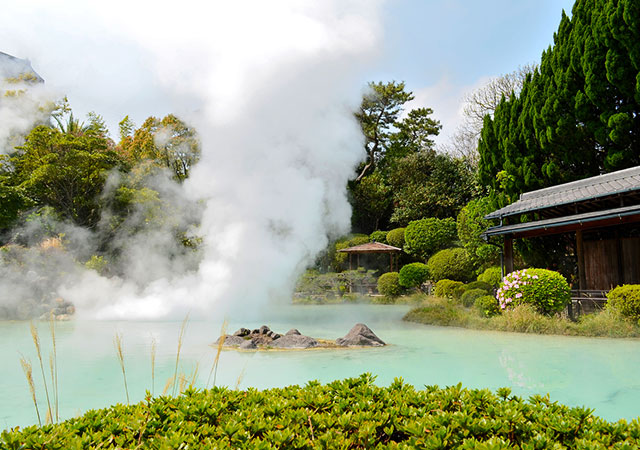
{"x":395,"y":237}
{"x":389,"y":285}
{"x":352,"y":413}
{"x":487,"y":306}
{"x":413,"y":275}
{"x":470,"y":295}
{"x":492,"y":275}
{"x":479,"y":285}
{"x":424,"y":237}
{"x":446,"y":288}
{"x":378,"y":236}
{"x":626,"y":300}
{"x":451,"y":264}
{"x":546,"y":290}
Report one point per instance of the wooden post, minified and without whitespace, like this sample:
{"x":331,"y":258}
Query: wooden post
{"x":620,"y":254}
{"x":350,"y":255}
{"x":390,"y":262}
{"x":508,"y":255}
{"x":358,"y":260}
{"x":582,"y":276}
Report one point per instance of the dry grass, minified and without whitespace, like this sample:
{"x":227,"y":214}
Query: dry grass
{"x":53,"y":361}
{"x":214,"y":367}
{"x":28,"y":373}
{"x":36,"y":342}
{"x":54,"y":243}
{"x":153,"y":365}
{"x":118,"y":344}
{"x":180,"y":338}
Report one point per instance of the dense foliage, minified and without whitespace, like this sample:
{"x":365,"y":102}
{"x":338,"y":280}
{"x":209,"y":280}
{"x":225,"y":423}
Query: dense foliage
{"x":413,"y":275}
{"x":487,"y":305}
{"x":452,"y":264}
{"x":426,"y":236}
{"x":353,"y":413}
{"x":546,"y":290}
{"x":470,"y":225}
{"x":389,"y":284}
{"x":378,"y":236}
{"x":626,"y":300}
{"x":576,"y":116}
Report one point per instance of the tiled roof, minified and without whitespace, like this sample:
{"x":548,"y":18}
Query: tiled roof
{"x":11,"y":67}
{"x":576,"y":191}
{"x":371,"y":247}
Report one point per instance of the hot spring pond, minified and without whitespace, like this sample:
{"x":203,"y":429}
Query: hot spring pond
{"x":598,"y":373}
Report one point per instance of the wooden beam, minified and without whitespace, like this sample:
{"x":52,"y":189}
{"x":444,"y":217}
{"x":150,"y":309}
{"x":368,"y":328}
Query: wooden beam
{"x":582,"y":276}
{"x":508,"y":255}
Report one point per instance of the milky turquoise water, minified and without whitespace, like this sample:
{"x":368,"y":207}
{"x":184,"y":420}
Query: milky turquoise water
{"x":599,"y":373}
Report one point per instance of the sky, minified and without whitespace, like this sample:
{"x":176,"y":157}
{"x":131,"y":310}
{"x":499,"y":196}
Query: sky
{"x":442,"y":49}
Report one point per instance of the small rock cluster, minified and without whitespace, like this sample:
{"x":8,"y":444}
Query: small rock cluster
{"x":264,"y":337}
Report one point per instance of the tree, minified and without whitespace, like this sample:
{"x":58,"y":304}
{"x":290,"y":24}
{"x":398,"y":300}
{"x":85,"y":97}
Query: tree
{"x":64,"y":171}
{"x":576,"y":116}
{"x":371,"y":202}
{"x":426,"y":236}
{"x":168,"y":142}
{"x":380,"y":108}
{"x":428,"y":184}
{"x":471,"y":224}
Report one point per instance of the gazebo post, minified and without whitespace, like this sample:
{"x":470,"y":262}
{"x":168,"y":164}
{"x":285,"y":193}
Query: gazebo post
{"x":350,"y":256}
{"x":390,"y":262}
{"x":508,"y":255}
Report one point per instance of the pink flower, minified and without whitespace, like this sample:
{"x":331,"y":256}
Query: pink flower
{"x":519,"y":294}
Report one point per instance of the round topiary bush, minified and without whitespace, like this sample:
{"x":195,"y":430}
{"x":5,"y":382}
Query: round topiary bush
{"x":626,"y":300}
{"x":388,"y":284}
{"x":426,"y":236}
{"x":395,"y":237}
{"x":446,"y":288}
{"x":413,"y":275}
{"x":479,"y":285}
{"x":469,"y":297}
{"x":378,"y":236}
{"x":451,"y":264}
{"x":493,"y":276}
{"x":546,"y":290}
{"x":487,"y":306}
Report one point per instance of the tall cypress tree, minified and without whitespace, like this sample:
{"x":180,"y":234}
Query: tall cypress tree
{"x":578,"y":115}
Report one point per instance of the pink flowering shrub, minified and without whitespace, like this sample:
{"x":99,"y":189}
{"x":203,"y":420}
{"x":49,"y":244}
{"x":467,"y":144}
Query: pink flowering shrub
{"x":546,"y":290}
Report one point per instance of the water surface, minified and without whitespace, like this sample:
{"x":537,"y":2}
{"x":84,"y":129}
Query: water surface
{"x":594,"y":372}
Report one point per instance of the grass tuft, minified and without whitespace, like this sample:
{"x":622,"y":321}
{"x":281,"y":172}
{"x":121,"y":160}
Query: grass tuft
{"x":118,"y":344}
{"x":28,"y":373}
{"x":36,"y":342}
{"x":214,"y":367}
{"x":180,"y":338}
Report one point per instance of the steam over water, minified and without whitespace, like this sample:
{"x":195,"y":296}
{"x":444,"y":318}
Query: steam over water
{"x":271,"y":88}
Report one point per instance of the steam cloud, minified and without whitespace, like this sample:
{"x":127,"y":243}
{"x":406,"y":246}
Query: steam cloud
{"x":273,"y":86}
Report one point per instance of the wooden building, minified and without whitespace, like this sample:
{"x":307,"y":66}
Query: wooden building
{"x":601,"y":213}
{"x":376,"y":248}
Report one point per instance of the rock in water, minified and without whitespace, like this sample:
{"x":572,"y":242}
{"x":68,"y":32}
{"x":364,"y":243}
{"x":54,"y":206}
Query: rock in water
{"x":360,"y":334}
{"x":294,"y":341}
{"x":293,"y":331}
{"x":232,"y":341}
{"x":242,"y":332}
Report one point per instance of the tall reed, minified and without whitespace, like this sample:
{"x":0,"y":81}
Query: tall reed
{"x":214,"y":367}
{"x":36,"y":342}
{"x":153,"y":366}
{"x":28,"y":373}
{"x":54,"y":365}
{"x":118,"y":343}
{"x":180,"y":337}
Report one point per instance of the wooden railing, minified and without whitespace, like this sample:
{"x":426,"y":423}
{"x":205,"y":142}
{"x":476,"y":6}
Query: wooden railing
{"x":584,"y":301}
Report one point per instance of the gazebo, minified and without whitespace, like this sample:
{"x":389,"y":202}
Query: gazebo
{"x":603,"y":215}
{"x":373,"y":247}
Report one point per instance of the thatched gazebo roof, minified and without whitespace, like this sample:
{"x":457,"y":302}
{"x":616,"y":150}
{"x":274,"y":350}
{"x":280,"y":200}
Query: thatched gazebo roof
{"x":372,"y":247}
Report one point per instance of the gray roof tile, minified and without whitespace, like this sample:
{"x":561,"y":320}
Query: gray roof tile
{"x":575,"y":191}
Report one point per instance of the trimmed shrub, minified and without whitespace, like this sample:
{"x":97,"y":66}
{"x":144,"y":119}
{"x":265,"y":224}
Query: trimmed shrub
{"x":389,"y":285}
{"x":546,"y":290}
{"x":445,"y":288}
{"x":487,"y":306}
{"x":395,"y":237}
{"x":378,"y":236}
{"x":451,"y":264}
{"x":469,"y":297}
{"x":626,"y":300}
{"x":493,"y":276}
{"x":413,"y":275}
{"x":479,"y":285}
{"x":458,"y":291}
{"x":424,"y":237}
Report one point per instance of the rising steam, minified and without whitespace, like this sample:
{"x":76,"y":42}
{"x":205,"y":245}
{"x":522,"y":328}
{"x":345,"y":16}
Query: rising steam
{"x":271,"y":88}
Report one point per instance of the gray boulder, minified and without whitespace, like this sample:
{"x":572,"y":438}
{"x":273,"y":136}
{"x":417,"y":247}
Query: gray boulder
{"x":242,"y":332}
{"x":264,"y":329}
{"x":294,"y":341}
{"x":293,"y":331}
{"x":232,"y":341}
{"x":248,"y":345}
{"x":360,"y":335}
